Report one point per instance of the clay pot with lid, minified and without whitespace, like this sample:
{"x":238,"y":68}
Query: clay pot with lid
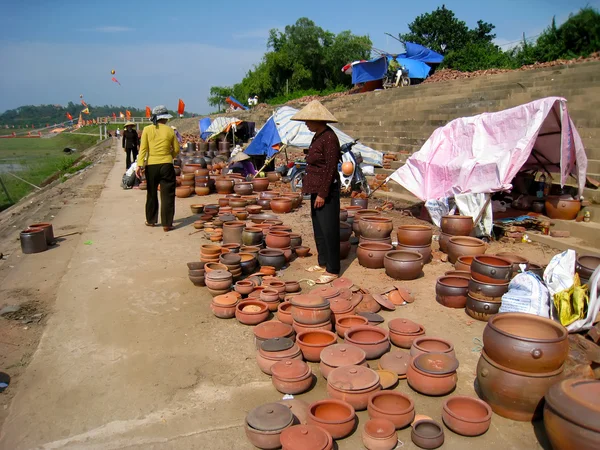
{"x":310,"y":309}
{"x":511,"y":393}
{"x":432,"y":373}
{"x":403,"y":265}
{"x":379,"y":434}
{"x":339,"y":355}
{"x":466,"y":416}
{"x":311,"y":343}
{"x":303,"y":437}
{"x":480,"y":309}
{"x":526,"y":342}
{"x":353,"y":384}
{"x":271,"y":330}
{"x":218,"y":279}
{"x":281,"y":205}
{"x":375,"y":227}
{"x":491,"y":269}
{"x":264,"y":425}
{"x":403,"y":332}
{"x":426,"y":344}
{"x":223,"y":306}
{"x":464,"y":246}
{"x":335,"y":416}
{"x":486,"y":291}
{"x":251,"y":312}
{"x":414,"y":235}
{"x":457,"y":225}
{"x":451,"y":291}
{"x":274,"y":350}
{"x":427,"y":434}
{"x":394,"y":406}
{"x":291,"y":376}
{"x":572,"y":414}
{"x":374,"y":341}
{"x":371,"y":255}
{"x":344,"y":323}
{"x":562,"y":208}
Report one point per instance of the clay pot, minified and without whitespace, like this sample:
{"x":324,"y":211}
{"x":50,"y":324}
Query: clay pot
{"x":251,"y":312}
{"x":295,"y":240}
{"x":457,"y":225}
{"x":362,"y":203}
{"x":571,"y":414}
{"x":260,"y":184}
{"x":284,"y":314}
{"x":394,"y":406}
{"x":49,"y":231}
{"x":424,"y":250}
{"x":218,"y":279}
{"x":311,"y":343}
{"x":562,"y":209}
{"x":272,"y":257}
{"x":270,"y":297}
{"x":274,"y":350}
{"x":374,"y":341}
{"x":345,"y":248}
{"x":426,"y":344}
{"x":310,"y":309}
{"x":414,"y":235}
{"x":443,"y":242}
{"x":278,"y":239}
{"x":302,"y":437}
{"x":452,"y":291}
{"x":295,"y":197}
{"x":538,"y":269}
{"x":302,"y":251}
{"x":302,"y":328}
{"x":202,"y":190}
{"x":467,"y":416}
{"x":515,"y":260}
{"x":223,"y":306}
{"x":343,"y":215}
{"x":586,"y":264}
{"x":433,"y":373}
{"x":183,"y":191}
{"x":491,"y":269}
{"x":371,"y":255}
{"x":272,"y":330}
{"x":464,"y":246}
{"x":481,"y":309}
{"x":250,"y":249}
{"x":396,"y":363}
{"x":345,"y":231}
{"x":243,"y":189}
{"x":379,"y":434}
{"x":526,"y":342}
{"x":272,"y":176}
{"x":254,"y":209}
{"x":427,"y":434}
{"x":244,"y":287}
{"x":264,"y":425}
{"x":292,"y":286}
{"x":252,"y":236}
{"x":364,"y":240}
{"x":248,"y":263}
{"x":224,"y":185}
{"x":375,"y":227}
{"x":281,"y":205}
{"x":358,"y":215}
{"x":464,"y":263}
{"x":291,"y":376}
{"x":339,"y":355}
{"x":403,"y":332}
{"x":513,"y":394}
{"x":344,"y":323}
{"x":459,"y":273}
{"x":335,"y":416}
{"x":264,"y":203}
{"x":487,"y":292}
{"x":403,"y":265}
{"x":353,"y":384}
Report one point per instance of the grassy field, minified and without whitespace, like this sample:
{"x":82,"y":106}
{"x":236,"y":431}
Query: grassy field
{"x":35,"y":160}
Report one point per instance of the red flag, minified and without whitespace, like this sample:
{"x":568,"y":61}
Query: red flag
{"x":69,"y":116}
{"x":114,"y":116}
{"x":180,"y":107}
{"x":148,"y":112}
{"x":84,"y":103}
{"x":128,"y":113}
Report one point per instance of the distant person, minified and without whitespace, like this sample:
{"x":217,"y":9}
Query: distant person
{"x":240,"y":163}
{"x":158,"y":148}
{"x":118,"y":133}
{"x":131,"y":143}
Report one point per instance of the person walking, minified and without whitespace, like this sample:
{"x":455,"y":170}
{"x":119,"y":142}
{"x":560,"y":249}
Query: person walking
{"x":322,"y":182}
{"x":158,"y":148}
{"x":131,"y":143}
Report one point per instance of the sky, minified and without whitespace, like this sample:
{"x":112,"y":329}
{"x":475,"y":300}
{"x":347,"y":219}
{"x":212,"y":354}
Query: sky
{"x":52,"y":52}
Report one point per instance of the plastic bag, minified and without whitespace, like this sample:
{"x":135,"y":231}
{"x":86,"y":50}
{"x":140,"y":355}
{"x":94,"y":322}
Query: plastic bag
{"x":527,"y":294}
{"x":560,"y":272}
{"x":592,"y":308}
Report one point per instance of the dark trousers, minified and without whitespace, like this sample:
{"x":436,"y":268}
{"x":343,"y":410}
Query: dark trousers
{"x":131,"y":152}
{"x":163,"y":175}
{"x":326,"y":228}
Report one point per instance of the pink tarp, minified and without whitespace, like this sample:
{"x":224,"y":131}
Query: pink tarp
{"x":482,"y":154}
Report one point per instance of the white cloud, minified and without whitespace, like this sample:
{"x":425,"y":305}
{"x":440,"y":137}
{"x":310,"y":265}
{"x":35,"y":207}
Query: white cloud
{"x":108,"y":29}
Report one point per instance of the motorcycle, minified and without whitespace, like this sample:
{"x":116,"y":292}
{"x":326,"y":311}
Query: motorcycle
{"x":400,"y":78}
{"x":353,"y":180}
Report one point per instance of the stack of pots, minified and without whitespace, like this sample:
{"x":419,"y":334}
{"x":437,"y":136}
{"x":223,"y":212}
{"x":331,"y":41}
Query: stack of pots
{"x":265,"y":423}
{"x":454,"y":226}
{"x":415,"y":238}
{"x":218,"y":282}
{"x":403,"y":332}
{"x":275,"y":350}
{"x":490,"y":276}
{"x":279,"y":240}
{"x":233,"y":263}
{"x":345,"y":233}
{"x":196,"y":273}
{"x":209,"y":253}
{"x":371,"y":254}
{"x":523,"y":356}
{"x":310,"y":312}
{"x":355,"y":219}
{"x":202,"y":182}
{"x":340,"y":301}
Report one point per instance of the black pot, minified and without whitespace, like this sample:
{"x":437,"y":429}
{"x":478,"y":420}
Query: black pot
{"x":272,"y":257}
{"x":33,"y":240}
{"x":491,"y":269}
{"x":480,"y":309}
{"x":487,"y":292}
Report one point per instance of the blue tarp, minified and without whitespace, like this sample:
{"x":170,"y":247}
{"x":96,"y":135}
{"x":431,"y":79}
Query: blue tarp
{"x":372,"y":70}
{"x":423,"y":54}
{"x":204,"y":124}
{"x":235,"y":103}
{"x":264,"y":141}
{"x":416,"y":69}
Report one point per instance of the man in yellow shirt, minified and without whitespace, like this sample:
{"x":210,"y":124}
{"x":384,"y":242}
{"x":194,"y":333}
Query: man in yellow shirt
{"x":158,"y":148}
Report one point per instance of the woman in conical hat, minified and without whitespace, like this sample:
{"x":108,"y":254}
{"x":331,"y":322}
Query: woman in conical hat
{"x":322,"y":182}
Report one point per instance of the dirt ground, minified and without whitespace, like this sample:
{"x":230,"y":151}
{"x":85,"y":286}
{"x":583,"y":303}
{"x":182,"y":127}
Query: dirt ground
{"x":130,"y":355}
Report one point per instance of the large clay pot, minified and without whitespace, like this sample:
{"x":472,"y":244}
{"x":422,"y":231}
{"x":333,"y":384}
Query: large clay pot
{"x":516,"y":260}
{"x":278,"y":239}
{"x":345,"y":231}
{"x":403,"y":265}
{"x":487,"y":292}
{"x":513,"y":394}
{"x":281,"y":205}
{"x":572,"y":414}
{"x":526,"y":342}
{"x":264,"y":425}
{"x":491,"y":269}
{"x":183,"y":191}
{"x":353,"y":384}
{"x":451,"y":291}
{"x":362,"y":213}
{"x":335,"y":416}
{"x":232,"y":232}
{"x":344,"y":249}
{"x":562,"y":209}
{"x":424,"y":250}
{"x":481,"y":309}
{"x":375,"y":227}
{"x":224,"y":185}
{"x":272,"y":257}
{"x":364,"y":240}
{"x":274,"y":350}
{"x":464,"y":246}
{"x":371,"y":255}
{"x":457,"y":225}
{"x":433,"y":373}
{"x":403,"y":332}
{"x":414,"y":234}
{"x":373,"y":340}
{"x":243,"y":189}
{"x":339,"y":355}
{"x":310,"y":309}
{"x":252,"y":236}
{"x":443,"y":242}
{"x":467,"y":416}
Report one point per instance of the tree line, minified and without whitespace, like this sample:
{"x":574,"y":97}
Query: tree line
{"x":305,"y":59}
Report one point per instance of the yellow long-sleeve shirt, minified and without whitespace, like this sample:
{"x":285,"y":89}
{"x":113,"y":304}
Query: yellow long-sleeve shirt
{"x":159,"y":145}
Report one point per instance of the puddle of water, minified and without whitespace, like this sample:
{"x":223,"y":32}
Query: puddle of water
{"x":11,"y":167}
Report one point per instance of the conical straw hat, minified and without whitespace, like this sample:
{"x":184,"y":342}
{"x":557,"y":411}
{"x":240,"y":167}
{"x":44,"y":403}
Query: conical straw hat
{"x":314,"y":111}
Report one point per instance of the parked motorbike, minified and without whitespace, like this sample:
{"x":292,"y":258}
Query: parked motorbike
{"x":351,"y":175}
{"x":400,"y":78}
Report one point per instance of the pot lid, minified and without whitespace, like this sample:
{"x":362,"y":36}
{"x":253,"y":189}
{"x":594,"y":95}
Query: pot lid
{"x":277,"y":344}
{"x":405,"y":293}
{"x":384,"y":302}
{"x":339,"y":355}
{"x":226,"y":299}
{"x":387,"y":378}
{"x":342,"y":283}
{"x":326,"y":292}
{"x":353,"y":378}
{"x":396,"y":362}
{"x":371,"y":317}
{"x":578,"y":401}
{"x":309,"y":301}
{"x":356,"y":299}
{"x":403,"y":326}
{"x":345,"y":293}
{"x":269,"y":417}
{"x":340,"y":305}
{"x":436,"y":363}
{"x":268,"y":330}
{"x":304,"y":437}
{"x":290,"y":369}
{"x":218,"y":274}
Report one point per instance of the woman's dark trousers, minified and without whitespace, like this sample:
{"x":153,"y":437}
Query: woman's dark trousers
{"x":163,"y":175}
{"x":326,"y":228}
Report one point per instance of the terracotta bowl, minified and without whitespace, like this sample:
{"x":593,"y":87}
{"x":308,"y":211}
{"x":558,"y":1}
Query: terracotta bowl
{"x":311,"y":343}
{"x":451,"y":291}
{"x":394,"y":406}
{"x":373,"y":340}
{"x":379,"y":434}
{"x":491,"y":269}
{"x":284,"y":313}
{"x":426,"y":344}
{"x":467,"y":416}
{"x":302,"y":251}
{"x":251,"y":312}
{"x":414,"y":234}
{"x":463,"y":263}
{"x":343,"y":324}
{"x":335,"y":416}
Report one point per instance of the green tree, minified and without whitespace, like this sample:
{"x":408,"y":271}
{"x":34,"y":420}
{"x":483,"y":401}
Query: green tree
{"x":218,"y":94}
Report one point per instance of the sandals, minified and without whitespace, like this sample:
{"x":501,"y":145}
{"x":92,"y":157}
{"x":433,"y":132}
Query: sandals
{"x":326,"y":279}
{"x":316,"y":269}
{"x":165,"y":229}
{"x":148,"y":224}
